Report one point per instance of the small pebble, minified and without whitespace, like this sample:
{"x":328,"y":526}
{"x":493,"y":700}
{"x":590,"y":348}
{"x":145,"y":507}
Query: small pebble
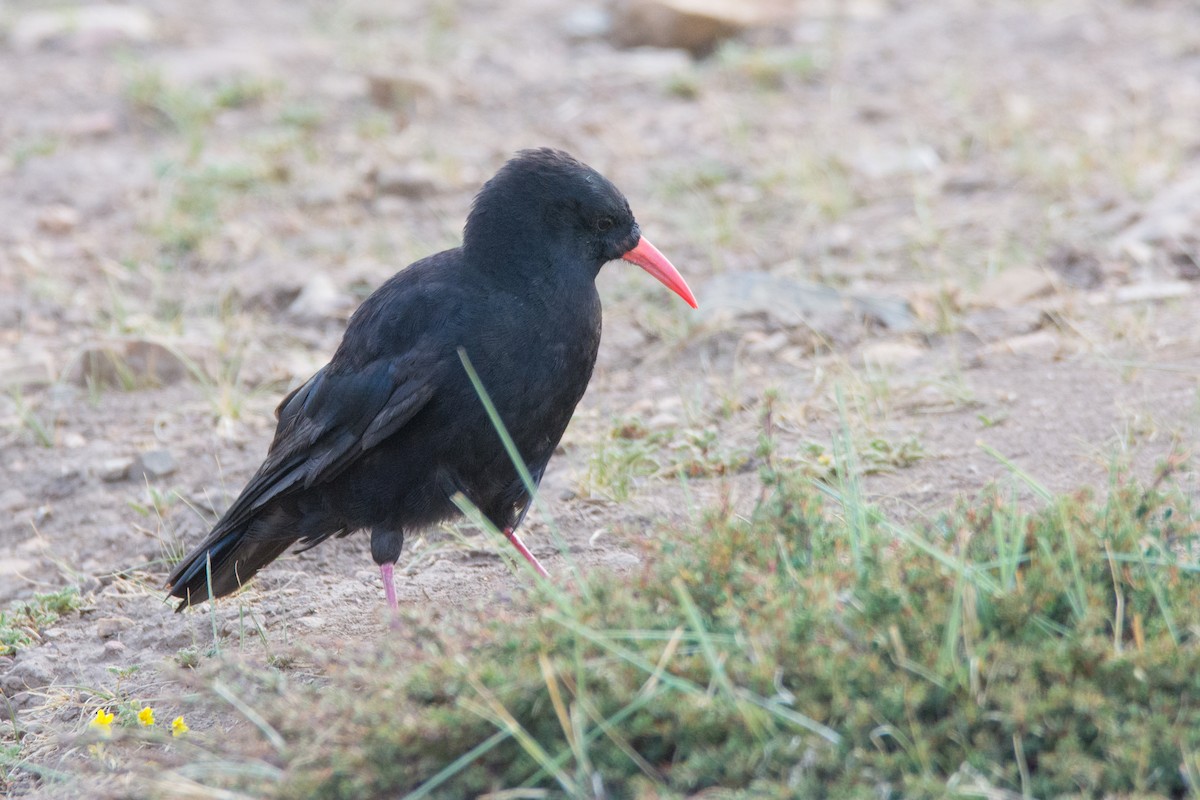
{"x":112,"y":470}
{"x":156,"y":463}
{"x":111,"y":626}
{"x":58,"y":219}
{"x":12,"y":499}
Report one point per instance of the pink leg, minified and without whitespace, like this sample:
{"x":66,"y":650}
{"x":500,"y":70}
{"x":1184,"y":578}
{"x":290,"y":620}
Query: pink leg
{"x":523,"y":550}
{"x":389,"y":585}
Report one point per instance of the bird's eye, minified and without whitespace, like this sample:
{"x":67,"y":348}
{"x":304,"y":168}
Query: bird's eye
{"x":605,"y":224}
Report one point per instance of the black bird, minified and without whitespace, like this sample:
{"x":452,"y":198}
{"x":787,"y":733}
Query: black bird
{"x":386,"y":433}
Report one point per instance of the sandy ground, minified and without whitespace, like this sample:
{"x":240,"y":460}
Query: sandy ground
{"x":925,"y":227}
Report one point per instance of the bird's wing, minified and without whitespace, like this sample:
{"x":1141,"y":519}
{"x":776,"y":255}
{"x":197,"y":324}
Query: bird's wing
{"x":329,"y":422}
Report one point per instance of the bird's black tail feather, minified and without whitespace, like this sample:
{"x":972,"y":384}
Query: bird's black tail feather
{"x":223,"y":563}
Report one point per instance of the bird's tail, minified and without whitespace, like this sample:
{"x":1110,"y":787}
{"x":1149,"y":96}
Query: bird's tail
{"x":222,"y":564}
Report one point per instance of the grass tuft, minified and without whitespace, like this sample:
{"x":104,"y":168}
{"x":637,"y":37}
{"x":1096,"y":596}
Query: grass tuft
{"x":1051,"y":653}
{"x":22,"y":623}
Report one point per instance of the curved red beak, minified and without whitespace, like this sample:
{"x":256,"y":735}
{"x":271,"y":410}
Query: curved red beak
{"x":646,"y":256}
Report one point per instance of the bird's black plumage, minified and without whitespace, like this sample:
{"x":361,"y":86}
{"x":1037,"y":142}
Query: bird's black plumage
{"x":391,"y":428}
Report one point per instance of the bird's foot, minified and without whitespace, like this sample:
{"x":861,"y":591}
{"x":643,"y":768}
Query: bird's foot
{"x":387,"y":572}
{"x":523,"y":550}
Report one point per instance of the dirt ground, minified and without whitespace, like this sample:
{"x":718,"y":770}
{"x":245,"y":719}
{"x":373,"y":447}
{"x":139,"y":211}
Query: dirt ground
{"x":929,"y":228}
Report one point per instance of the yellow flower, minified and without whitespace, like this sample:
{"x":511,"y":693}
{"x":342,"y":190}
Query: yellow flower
{"x":824,"y":459}
{"x":178,"y":726}
{"x":102,"y":721}
{"x":146,"y":717}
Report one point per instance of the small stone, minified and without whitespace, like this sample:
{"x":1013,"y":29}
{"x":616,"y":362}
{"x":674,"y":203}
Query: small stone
{"x":27,"y":727}
{"x":156,"y":463}
{"x":212,"y":499}
{"x":112,"y":470}
{"x":92,"y":125}
{"x":1151,"y":291}
{"x":991,"y":324}
{"x":114,"y":647}
{"x":64,"y":485}
{"x":10,"y":565}
{"x":134,"y":364}
{"x":73,"y":440}
{"x":1015,"y":286}
{"x":621,"y":560}
{"x":411,"y":181}
{"x":889,"y":355}
{"x":662,"y":421}
{"x":762,"y":344}
{"x":1044,"y":344}
{"x":30,"y":670}
{"x":1079,"y":269}
{"x":319,"y":299}
{"x":586,"y":22}
{"x":313,"y":623}
{"x":58,"y":219}
{"x":697,"y":26}
{"x":880,"y":163}
{"x":1173,"y":213}
{"x":401,"y":89}
{"x":12,"y":499}
{"x":112,"y":626}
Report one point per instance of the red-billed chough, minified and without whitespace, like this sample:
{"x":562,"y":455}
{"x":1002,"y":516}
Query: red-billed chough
{"x":392,"y":427}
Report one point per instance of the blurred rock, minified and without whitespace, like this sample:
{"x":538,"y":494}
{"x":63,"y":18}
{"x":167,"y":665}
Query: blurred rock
{"x":697,"y":26}
{"x":763,"y":344}
{"x":889,"y":355}
{"x":319,"y":299}
{"x":82,"y":27}
{"x":63,"y":485}
{"x":403,"y":88}
{"x":1174,"y":213}
{"x":93,"y":124}
{"x":10,"y":565}
{"x":58,"y":219}
{"x":12,"y":499}
{"x":156,"y":464}
{"x":1040,"y":344}
{"x":1151,"y":291}
{"x":112,"y":626}
{"x":211,"y":499}
{"x":1078,"y":269}
{"x":663,"y":420}
{"x":894,"y":313}
{"x":133,"y":364}
{"x":112,"y":470}
{"x":586,"y":22}
{"x":877,"y":163}
{"x":966,"y":180}
{"x":1185,"y":257}
{"x":991,"y":324}
{"x":30,"y":670}
{"x":412,"y":181}
{"x":1015,"y":286}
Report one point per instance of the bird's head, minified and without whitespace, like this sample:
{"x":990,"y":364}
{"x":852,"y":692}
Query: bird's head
{"x":546,"y":210}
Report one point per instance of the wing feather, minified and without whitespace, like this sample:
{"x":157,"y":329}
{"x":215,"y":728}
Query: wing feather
{"x":329,"y":422}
